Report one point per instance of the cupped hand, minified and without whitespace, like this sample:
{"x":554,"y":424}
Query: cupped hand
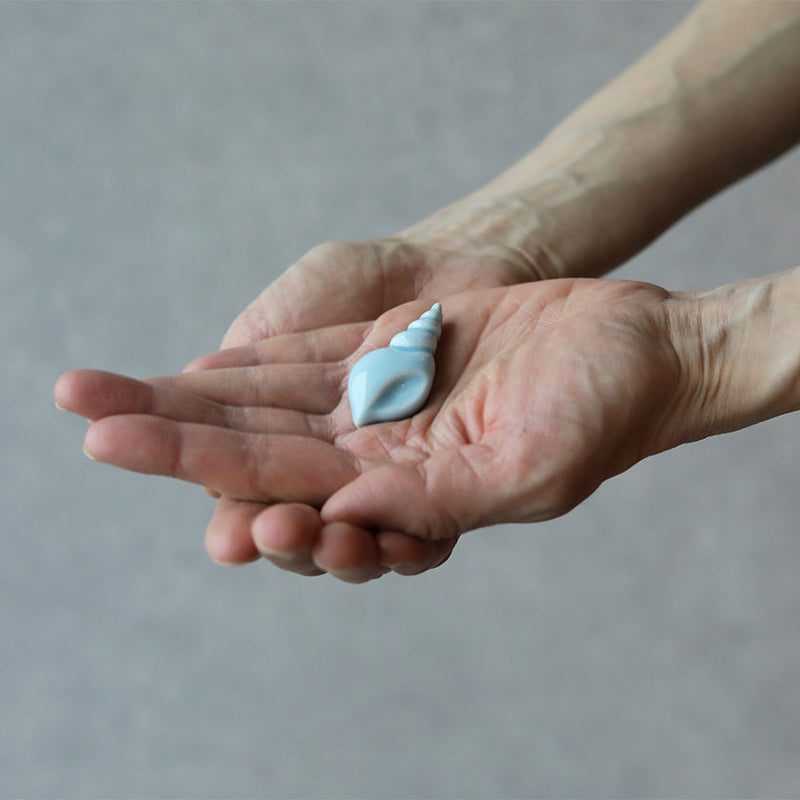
{"x":542,"y":391}
{"x":343,"y":282}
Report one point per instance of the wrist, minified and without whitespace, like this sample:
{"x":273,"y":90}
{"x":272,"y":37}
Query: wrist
{"x":508,"y":227}
{"x":739,"y":348}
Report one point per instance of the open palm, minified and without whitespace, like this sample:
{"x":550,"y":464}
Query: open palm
{"x":542,"y":391}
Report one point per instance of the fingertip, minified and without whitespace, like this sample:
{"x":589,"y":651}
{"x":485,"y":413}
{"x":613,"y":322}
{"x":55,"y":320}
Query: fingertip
{"x":216,"y":360}
{"x":285,"y":535}
{"x":105,"y":440}
{"x":95,"y":393}
{"x":228,"y":540}
{"x":59,"y":392}
{"x":286,"y":529}
{"x":222,"y":359}
{"x":136,"y":443}
{"x":404,"y":554}
{"x":93,"y":443}
{"x":198,"y":364}
{"x":348,"y":552}
{"x":64,"y":389}
{"x":231,"y":551}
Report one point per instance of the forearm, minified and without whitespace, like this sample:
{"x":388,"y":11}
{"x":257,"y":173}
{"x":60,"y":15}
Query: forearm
{"x":715,"y":100}
{"x":739,"y":347}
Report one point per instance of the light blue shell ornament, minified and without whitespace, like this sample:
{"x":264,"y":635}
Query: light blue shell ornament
{"x":394,"y":382}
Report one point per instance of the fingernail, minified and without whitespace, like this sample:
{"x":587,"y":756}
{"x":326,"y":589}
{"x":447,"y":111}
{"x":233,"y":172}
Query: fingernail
{"x":88,"y":454}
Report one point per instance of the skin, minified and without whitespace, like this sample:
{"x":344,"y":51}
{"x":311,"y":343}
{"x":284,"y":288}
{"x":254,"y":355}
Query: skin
{"x":544,"y":390}
{"x":595,"y":374}
{"x":523,"y":423}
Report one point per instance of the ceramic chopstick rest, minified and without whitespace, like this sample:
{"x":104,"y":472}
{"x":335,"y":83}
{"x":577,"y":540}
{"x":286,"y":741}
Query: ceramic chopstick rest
{"x":394,"y":382}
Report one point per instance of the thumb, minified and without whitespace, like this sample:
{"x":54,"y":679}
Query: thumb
{"x":258,"y":321}
{"x":433,"y":500}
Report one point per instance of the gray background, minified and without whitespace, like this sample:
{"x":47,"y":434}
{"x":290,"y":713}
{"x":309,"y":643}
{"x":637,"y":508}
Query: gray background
{"x":159,"y":165}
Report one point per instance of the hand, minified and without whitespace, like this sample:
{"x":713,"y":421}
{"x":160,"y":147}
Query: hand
{"x":342,"y":282}
{"x":542,"y":391}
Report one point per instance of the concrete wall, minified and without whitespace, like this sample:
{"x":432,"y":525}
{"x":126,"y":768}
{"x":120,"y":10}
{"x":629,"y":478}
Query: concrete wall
{"x":159,"y":165}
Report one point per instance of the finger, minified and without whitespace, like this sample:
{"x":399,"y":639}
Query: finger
{"x":444,"y":549}
{"x":286,"y":534}
{"x":95,"y":394}
{"x":332,"y":284}
{"x":318,"y":346}
{"x":243,"y":465}
{"x":309,"y":388}
{"x":291,"y":535}
{"x":410,"y":555}
{"x":321,"y":345}
{"x":228,"y":535}
{"x":293,"y":538}
{"x":348,"y":552}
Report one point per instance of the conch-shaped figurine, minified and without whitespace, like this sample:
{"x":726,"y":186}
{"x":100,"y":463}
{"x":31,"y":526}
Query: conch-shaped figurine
{"x":394,"y":382}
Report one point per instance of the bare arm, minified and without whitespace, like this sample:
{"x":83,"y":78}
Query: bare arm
{"x":716,"y":99}
{"x":740,"y":347}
